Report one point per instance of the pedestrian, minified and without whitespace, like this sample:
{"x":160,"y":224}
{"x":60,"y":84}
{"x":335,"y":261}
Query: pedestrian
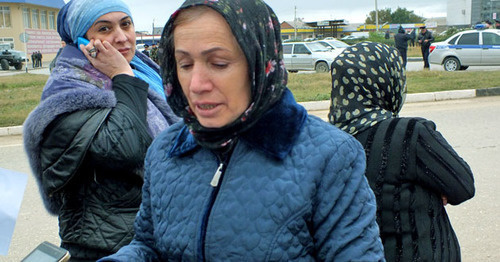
{"x":53,"y":62}
{"x":425,"y":39}
{"x":154,"y":53}
{"x":413,"y":35}
{"x":387,"y":34}
{"x":146,"y":51}
{"x":401,"y":43}
{"x":86,"y":141}
{"x":33,"y":59}
{"x":248,"y":175}
{"x":411,"y":167}
{"x":40,"y":56}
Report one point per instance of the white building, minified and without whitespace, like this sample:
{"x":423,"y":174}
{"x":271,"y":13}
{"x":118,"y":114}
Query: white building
{"x":458,"y":12}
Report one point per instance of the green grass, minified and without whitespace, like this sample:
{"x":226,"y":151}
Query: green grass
{"x":20,"y":94}
{"x":313,"y":87}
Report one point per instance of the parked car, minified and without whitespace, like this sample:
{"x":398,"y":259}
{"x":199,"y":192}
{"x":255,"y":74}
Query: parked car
{"x":307,"y":56}
{"x":333,"y":44}
{"x":350,"y":37}
{"x":467,"y":48}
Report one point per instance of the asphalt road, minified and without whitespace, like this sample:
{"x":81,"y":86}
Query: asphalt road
{"x":470,"y":125}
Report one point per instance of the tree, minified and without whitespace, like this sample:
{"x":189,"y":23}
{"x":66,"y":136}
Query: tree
{"x":400,"y":16}
{"x":384,"y":16}
{"x":403,"y":16}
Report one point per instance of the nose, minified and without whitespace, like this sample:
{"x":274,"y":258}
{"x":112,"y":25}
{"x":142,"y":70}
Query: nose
{"x":120,"y":36}
{"x":200,"y":79}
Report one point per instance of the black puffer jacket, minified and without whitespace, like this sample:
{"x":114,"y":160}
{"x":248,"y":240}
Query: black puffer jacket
{"x":93,"y":159}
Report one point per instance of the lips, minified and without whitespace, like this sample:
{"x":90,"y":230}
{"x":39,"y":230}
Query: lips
{"x":207,"y":106}
{"x":208,"y":110}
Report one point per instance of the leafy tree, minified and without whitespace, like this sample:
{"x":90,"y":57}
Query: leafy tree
{"x":384,"y":16}
{"x":399,"y":16}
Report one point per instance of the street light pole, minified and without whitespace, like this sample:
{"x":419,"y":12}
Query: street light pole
{"x":376,"y":14}
{"x":153,"y":31}
{"x":295,"y":24}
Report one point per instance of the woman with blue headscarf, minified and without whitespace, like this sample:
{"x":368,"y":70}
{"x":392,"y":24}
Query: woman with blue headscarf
{"x":100,"y":109}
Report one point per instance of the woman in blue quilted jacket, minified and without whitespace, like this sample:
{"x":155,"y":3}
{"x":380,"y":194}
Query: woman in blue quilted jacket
{"x":248,"y":175}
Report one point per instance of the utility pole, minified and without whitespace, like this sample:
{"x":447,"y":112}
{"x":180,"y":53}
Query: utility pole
{"x":153,"y":32}
{"x":376,"y":14}
{"x":295,"y":24}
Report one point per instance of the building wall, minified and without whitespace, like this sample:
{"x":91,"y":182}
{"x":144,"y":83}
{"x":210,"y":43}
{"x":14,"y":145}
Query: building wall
{"x":42,"y":39}
{"x":485,"y":10}
{"x":459,"y":12}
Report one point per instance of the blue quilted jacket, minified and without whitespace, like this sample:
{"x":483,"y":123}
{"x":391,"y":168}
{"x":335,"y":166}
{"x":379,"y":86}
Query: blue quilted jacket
{"x":293,"y":189}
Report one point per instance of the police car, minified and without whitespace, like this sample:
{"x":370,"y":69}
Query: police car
{"x":480,"y":47}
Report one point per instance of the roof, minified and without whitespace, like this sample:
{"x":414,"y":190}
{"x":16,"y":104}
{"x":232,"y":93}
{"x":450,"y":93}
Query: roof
{"x":47,"y":3}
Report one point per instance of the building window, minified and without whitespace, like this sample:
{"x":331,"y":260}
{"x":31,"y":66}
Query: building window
{"x":52,"y":21}
{"x":8,"y":40}
{"x":43,"y":19}
{"x":5,"y":17}
{"x":26,"y":18}
{"x":34,"y":18}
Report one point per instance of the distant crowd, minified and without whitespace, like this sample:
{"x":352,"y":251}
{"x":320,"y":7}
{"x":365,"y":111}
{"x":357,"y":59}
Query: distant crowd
{"x":36,"y":59}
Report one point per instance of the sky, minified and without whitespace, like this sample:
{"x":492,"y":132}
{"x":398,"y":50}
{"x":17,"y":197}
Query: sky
{"x":147,"y":12}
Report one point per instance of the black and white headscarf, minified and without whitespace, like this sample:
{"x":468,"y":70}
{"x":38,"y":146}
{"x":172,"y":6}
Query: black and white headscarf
{"x":368,"y":86}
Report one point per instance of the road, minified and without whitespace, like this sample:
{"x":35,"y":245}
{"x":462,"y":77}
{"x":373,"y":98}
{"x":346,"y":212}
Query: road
{"x":470,"y":125}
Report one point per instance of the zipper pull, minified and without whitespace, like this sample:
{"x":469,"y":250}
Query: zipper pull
{"x":215,"y":179}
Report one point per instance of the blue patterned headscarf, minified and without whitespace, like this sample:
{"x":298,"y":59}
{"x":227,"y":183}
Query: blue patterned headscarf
{"x":257,"y":30}
{"x":77,"y":16}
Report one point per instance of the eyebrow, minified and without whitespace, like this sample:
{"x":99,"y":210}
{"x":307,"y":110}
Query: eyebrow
{"x":211,"y":50}
{"x":107,"y":21}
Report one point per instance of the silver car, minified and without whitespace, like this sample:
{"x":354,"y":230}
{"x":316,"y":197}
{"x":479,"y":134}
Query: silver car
{"x":307,"y":56}
{"x":467,"y":48}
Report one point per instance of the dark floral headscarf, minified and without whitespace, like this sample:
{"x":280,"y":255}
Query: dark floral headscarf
{"x":257,"y":31}
{"x":368,"y":86}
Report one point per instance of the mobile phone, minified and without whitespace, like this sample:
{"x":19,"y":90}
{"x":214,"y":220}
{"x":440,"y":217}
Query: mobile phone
{"x":47,"y":252}
{"x":82,"y":41}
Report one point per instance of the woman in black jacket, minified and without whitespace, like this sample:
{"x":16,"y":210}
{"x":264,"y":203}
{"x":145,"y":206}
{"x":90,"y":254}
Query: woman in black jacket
{"x":411,"y":168}
{"x":86,"y":142}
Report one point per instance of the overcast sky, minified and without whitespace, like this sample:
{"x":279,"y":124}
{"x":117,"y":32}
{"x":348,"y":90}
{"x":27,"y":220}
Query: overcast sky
{"x":354,"y":11}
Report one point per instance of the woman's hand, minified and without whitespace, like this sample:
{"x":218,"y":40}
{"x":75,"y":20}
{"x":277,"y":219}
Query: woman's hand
{"x":107,"y":59}
{"x":445,"y":200}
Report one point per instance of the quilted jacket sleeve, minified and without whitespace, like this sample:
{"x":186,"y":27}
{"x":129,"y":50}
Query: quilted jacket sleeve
{"x":140,"y":249}
{"x":123,"y":138}
{"x":440,"y":167}
{"x":345,"y":222}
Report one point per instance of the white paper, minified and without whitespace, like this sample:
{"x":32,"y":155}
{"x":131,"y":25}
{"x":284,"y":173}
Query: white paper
{"x":12,"y":186}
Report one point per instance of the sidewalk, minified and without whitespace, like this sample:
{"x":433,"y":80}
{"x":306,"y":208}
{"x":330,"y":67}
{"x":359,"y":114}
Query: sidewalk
{"x":325,"y":104}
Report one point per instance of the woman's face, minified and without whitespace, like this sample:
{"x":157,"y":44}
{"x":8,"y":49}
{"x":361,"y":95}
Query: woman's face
{"x":116,"y":28}
{"x":212,"y":69}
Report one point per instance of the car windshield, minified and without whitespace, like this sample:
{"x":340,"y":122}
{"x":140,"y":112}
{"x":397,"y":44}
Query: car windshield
{"x":317,"y":47}
{"x":338,"y":44}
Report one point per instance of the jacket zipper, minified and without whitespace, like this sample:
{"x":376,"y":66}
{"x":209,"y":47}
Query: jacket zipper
{"x":216,"y":178}
{"x":215,"y":183}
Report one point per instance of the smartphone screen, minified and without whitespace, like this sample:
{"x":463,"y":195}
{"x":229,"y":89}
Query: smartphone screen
{"x":47,"y":252}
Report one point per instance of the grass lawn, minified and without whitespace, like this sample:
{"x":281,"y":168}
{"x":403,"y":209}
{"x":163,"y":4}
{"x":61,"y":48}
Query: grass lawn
{"x":19,"y":94}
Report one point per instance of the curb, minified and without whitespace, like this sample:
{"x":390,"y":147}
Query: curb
{"x":420,"y":97}
{"x":325,"y":104}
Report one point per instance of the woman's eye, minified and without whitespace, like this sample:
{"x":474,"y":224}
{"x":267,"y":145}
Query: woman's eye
{"x":220,"y":65}
{"x":103,"y":29}
{"x":185,"y":66}
{"x":126,"y":23}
